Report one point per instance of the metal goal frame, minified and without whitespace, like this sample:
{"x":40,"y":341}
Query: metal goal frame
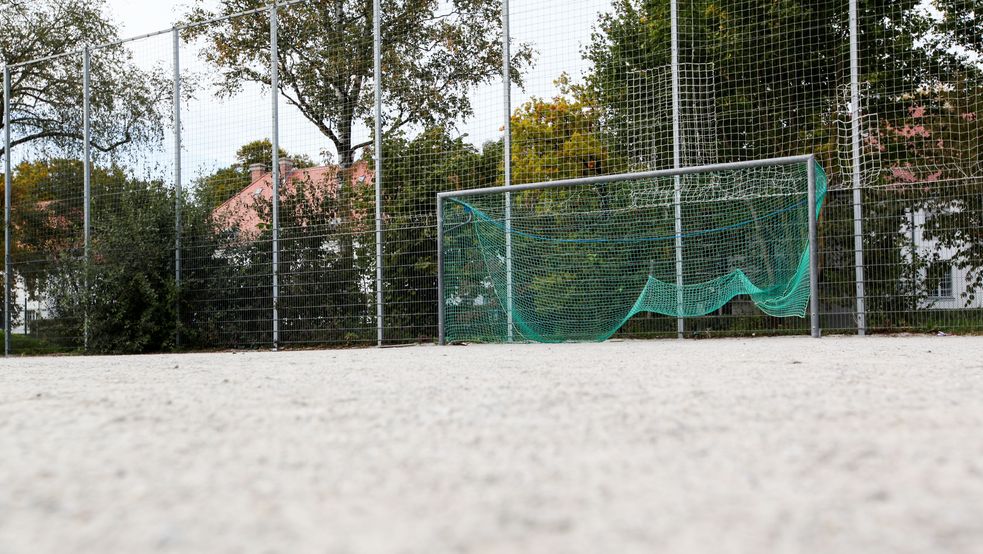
{"x":808,"y":159}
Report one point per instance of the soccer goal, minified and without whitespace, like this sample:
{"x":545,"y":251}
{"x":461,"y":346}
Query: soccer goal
{"x":574,"y":260}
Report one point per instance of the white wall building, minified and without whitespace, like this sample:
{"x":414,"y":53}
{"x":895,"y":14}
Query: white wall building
{"x":943,"y":283}
{"x":31,"y":309}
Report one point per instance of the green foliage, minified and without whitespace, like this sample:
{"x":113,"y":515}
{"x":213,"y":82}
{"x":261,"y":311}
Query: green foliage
{"x":126,"y":294}
{"x":327,"y":247}
{"x":129,"y":105}
{"x":562,"y":138}
{"x":47,"y":212}
{"x":768,"y":57}
{"x":28,"y":345}
{"x":416,"y":170}
{"x":322,"y":293}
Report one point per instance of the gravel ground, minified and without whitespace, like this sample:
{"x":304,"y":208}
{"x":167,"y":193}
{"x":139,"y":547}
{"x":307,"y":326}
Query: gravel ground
{"x":761,"y":445}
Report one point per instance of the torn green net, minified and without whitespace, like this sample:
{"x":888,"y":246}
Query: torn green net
{"x":587,"y":258}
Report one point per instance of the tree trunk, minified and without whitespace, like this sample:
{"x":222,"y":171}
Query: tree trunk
{"x":351,"y":304}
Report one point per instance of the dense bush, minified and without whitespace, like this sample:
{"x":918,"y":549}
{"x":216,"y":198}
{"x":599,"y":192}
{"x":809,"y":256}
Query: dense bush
{"x":125,"y":298}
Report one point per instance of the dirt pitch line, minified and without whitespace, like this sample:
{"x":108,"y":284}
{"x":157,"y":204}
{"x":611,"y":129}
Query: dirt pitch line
{"x":762,"y":445}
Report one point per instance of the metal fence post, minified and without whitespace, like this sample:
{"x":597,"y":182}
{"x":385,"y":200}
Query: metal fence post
{"x":377,"y":52}
{"x":177,"y":185}
{"x":676,"y":162}
{"x":274,"y":83}
{"x":855,"y":112}
{"x":441,"y":327}
{"x":813,"y":250}
{"x":507,"y":158}
{"x":87,"y":180}
{"x":8,"y":183}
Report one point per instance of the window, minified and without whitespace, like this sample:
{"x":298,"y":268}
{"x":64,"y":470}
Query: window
{"x":940,"y":280}
{"x":30,"y":317}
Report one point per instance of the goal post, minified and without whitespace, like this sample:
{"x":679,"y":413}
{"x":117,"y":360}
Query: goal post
{"x":587,"y":254}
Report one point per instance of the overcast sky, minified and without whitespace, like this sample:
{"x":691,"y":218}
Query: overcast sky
{"x":137,"y":17}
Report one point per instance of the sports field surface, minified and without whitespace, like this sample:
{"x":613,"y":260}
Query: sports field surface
{"x":843,"y":444}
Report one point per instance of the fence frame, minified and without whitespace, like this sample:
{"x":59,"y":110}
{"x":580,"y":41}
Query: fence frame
{"x":507,"y":156}
{"x":275,"y":140}
{"x":677,"y":158}
{"x":7,"y":234}
{"x":858,"y":212}
{"x":86,"y":50}
{"x":178,"y":185}
{"x":377,"y":178}
{"x":87,"y":176}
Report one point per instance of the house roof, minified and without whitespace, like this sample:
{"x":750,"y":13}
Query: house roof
{"x":241,"y":210}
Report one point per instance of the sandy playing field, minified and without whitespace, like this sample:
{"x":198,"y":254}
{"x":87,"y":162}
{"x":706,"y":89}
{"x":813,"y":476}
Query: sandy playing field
{"x":760,"y":445}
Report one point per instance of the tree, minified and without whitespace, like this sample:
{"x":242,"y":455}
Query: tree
{"x":933,"y":172}
{"x":631,"y":46}
{"x":218,"y":187}
{"x":778,"y":88}
{"x":128,"y":104}
{"x":431,"y":60}
{"x":47,"y":222}
{"x":126,"y":293}
{"x":125,"y":290}
{"x":128,"y":107}
{"x":562,"y":138}
{"x":260,"y":152}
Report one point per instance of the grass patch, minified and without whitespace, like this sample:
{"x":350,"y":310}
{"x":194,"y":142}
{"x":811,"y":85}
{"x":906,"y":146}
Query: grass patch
{"x":27,"y":345}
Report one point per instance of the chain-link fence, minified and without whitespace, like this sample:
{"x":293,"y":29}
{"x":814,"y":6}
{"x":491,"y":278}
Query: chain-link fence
{"x":268,"y":178}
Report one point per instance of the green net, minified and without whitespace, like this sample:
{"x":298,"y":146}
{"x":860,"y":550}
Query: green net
{"x":587,"y":258}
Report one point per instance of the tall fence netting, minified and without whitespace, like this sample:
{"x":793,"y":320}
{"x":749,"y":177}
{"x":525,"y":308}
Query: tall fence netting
{"x":181,"y":238}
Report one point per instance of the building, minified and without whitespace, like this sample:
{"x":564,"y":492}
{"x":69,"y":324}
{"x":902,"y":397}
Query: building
{"x":31,"y":309}
{"x":243,"y":212}
{"x":941,"y":284}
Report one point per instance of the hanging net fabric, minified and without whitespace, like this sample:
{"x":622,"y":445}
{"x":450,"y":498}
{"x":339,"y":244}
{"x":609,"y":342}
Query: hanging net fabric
{"x":586,"y":258}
